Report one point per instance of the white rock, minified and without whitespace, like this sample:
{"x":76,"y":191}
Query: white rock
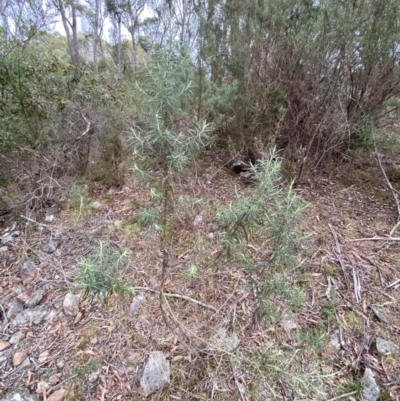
{"x":71,"y":305}
{"x":370,"y":390}
{"x":42,"y":386}
{"x":197,"y":220}
{"x":288,"y":323}
{"x":335,"y":339}
{"x":156,"y":373}
{"x":96,"y":205}
{"x":135,"y":305}
{"x":20,"y":395}
{"x":15,"y":307}
{"x":386,"y":347}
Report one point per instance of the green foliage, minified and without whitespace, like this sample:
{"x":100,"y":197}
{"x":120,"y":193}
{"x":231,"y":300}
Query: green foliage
{"x":306,"y":73}
{"x":191,"y":272}
{"x":220,"y":101}
{"x":100,"y":274}
{"x":165,"y":83}
{"x":78,"y":200}
{"x":278,"y":371}
{"x":313,"y":338}
{"x":168,"y":137}
{"x":268,"y":219}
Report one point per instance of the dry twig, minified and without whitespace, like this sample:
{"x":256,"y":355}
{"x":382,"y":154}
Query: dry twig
{"x":339,"y":397}
{"x":36,"y":222}
{"x":185,"y":297}
{"x":375,"y":239}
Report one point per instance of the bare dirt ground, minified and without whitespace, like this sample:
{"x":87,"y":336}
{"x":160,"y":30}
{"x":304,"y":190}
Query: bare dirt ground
{"x":215,"y":347}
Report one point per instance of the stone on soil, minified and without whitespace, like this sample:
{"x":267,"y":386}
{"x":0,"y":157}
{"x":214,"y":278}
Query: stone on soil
{"x":335,"y":339}
{"x":17,"y":337}
{"x":156,"y":373}
{"x":20,"y":395}
{"x":370,"y":390}
{"x":43,"y":356}
{"x":35,"y":299}
{"x":288,"y":323}
{"x":135,"y":305}
{"x":4,"y":345}
{"x":28,"y":315}
{"x":27,"y":270}
{"x":71,"y":305}
{"x":15,"y":307}
{"x":19,"y":357}
{"x":3,"y":361}
{"x":50,"y":247}
{"x":381,"y":317}
{"x":386,"y":347}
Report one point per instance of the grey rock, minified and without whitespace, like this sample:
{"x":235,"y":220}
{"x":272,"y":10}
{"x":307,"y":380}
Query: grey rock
{"x":51,"y":246}
{"x":3,"y":361}
{"x":288,"y":323}
{"x":35,"y":299}
{"x":3,"y":249}
{"x":381,"y":317}
{"x":93,"y":378}
{"x":386,"y":347}
{"x":198,"y":220}
{"x":135,"y":305}
{"x":96,"y":205}
{"x":14,"y":307}
{"x":335,"y":339}
{"x":71,"y":305}
{"x":27,"y":316}
{"x":6,"y":238}
{"x":370,"y":390}
{"x":20,"y":395}
{"x":27,"y":269}
{"x":49,"y":217}
{"x":156,"y":373}
{"x":60,"y":363}
{"x":17,"y":337}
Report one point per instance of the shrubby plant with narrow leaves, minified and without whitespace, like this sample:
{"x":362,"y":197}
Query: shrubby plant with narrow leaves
{"x":268,"y":220}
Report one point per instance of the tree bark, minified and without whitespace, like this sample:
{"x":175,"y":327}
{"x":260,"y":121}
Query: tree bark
{"x":72,"y":38}
{"x":96,"y":35}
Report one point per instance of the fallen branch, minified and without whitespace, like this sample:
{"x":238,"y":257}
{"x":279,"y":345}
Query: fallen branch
{"x":375,"y":239}
{"x":339,"y":397}
{"x":335,"y":237}
{"x":185,"y":297}
{"x":36,"y":222}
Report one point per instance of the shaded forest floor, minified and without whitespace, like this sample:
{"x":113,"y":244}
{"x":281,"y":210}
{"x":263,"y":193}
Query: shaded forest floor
{"x":217,"y":350}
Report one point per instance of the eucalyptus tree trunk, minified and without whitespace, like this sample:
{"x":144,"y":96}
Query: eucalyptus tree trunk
{"x":3,"y":7}
{"x":72,"y":38}
{"x":96,"y":25}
